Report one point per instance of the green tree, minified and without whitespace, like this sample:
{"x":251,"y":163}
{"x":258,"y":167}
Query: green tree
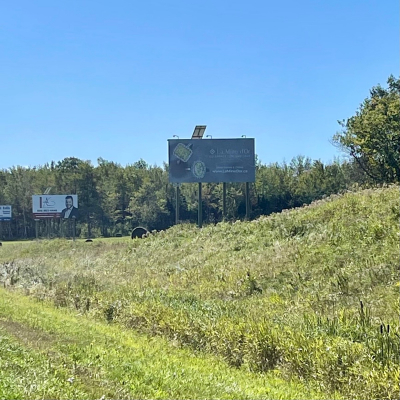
{"x":113,"y":193}
{"x":150,"y":205}
{"x":18,"y":193}
{"x":372,"y":135}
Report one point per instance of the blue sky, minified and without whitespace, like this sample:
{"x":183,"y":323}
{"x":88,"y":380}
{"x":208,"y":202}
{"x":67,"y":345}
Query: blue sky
{"x":117,"y":79}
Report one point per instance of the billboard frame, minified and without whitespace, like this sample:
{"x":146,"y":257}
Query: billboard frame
{"x":47,"y":206}
{"x":5,"y":207}
{"x":184,"y":154}
{"x":213,"y":161}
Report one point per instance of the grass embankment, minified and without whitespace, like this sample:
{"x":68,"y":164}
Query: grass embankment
{"x":46,"y":353}
{"x":312,"y":292}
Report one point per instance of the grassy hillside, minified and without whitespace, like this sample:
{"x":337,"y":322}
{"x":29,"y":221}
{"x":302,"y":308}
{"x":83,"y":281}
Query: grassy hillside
{"x":48,"y":354}
{"x":312,"y":293}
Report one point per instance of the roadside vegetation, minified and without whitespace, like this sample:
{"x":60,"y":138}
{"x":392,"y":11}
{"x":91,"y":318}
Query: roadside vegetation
{"x":51,"y":354}
{"x":309,"y":295}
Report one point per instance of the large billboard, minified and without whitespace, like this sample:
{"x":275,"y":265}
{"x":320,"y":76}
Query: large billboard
{"x":211,"y":160}
{"x":5,"y":213}
{"x":55,"y":206}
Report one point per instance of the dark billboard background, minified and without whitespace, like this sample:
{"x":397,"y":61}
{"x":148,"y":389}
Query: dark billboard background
{"x":211,"y":160}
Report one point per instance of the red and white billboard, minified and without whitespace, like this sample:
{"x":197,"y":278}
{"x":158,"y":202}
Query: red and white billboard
{"x":55,"y":206}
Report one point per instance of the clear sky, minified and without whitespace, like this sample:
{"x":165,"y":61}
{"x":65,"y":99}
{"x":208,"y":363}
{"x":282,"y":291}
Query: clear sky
{"x":117,"y":79}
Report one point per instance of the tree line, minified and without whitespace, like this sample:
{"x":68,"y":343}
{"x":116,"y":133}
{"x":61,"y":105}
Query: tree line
{"x":113,"y":198}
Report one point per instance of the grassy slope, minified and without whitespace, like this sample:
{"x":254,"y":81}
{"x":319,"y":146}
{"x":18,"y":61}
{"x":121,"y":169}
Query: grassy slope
{"x":305,"y":291}
{"x":50,"y":354}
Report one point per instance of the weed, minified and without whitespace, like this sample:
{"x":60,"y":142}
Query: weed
{"x":279,"y":293}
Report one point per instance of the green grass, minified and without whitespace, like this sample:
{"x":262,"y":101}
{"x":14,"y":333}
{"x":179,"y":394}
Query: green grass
{"x":63,"y":355}
{"x":27,"y":374}
{"x":308,"y":292}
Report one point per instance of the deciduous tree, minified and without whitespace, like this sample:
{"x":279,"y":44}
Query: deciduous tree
{"x":372,"y":135}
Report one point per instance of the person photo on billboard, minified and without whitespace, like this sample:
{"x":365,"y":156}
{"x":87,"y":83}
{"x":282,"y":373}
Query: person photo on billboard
{"x":70,"y":211}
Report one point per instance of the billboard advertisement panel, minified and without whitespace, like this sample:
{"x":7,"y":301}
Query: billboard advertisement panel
{"x":211,"y":160}
{"x":5,"y":213}
{"x":55,"y":206}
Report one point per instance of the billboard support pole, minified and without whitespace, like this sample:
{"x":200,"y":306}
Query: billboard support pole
{"x":73,"y":228}
{"x":177,"y":204}
{"x":1,"y":230}
{"x":36,"y":229}
{"x":200,"y":211}
{"x":223,"y":201}
{"x":247,"y":201}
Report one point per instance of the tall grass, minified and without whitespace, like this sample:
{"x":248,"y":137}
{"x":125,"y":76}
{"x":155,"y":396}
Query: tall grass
{"x":312,"y":292}
{"x":64,"y":355}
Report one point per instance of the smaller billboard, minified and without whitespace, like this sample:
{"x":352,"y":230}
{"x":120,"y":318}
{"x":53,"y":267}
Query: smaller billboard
{"x":55,"y":206}
{"x":5,"y":213}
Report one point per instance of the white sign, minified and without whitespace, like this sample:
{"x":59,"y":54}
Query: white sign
{"x":5,"y":213}
{"x":55,"y":206}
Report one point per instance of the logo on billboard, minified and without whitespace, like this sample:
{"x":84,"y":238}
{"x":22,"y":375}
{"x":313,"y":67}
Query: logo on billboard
{"x":47,"y":202}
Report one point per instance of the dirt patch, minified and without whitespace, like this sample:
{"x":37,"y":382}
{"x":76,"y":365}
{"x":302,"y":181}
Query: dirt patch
{"x":42,"y":342}
{"x":28,"y":336}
